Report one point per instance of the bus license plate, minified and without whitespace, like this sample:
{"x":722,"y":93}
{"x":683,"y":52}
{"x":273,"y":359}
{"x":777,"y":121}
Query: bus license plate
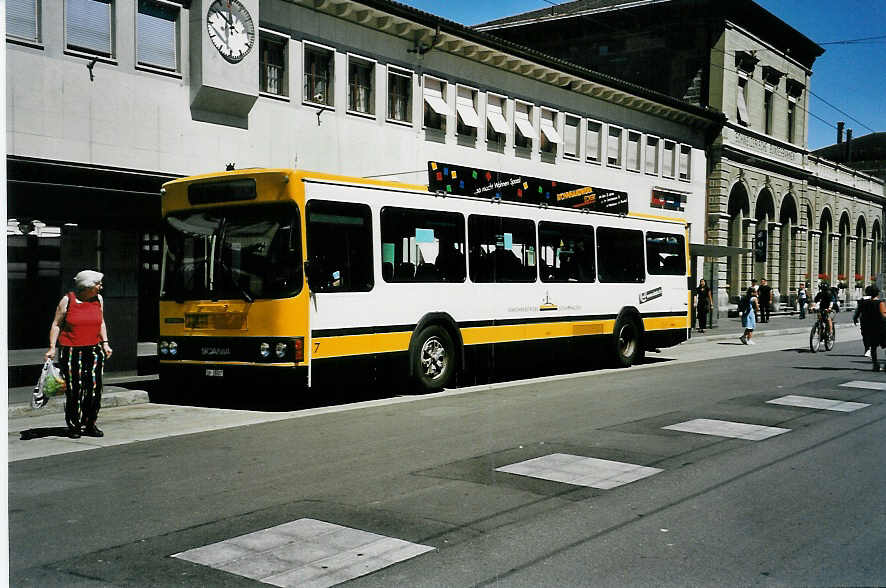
{"x":211,"y":373}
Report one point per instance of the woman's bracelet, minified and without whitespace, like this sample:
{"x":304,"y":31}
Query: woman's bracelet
{"x":104,"y":341}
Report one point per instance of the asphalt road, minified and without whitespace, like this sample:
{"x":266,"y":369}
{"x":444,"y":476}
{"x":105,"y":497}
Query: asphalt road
{"x":805,"y":507}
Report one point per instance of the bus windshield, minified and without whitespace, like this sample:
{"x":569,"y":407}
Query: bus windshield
{"x":232,"y":252}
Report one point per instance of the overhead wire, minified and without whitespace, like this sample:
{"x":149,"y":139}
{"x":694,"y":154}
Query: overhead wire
{"x":727,"y":53}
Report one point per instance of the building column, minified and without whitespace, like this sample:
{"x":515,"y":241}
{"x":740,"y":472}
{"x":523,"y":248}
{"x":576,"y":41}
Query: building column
{"x":773,"y":260}
{"x":815,"y":254}
{"x":749,"y":226}
{"x":718,"y":234}
{"x":850,"y":269}
{"x":799,"y":255}
{"x":868,"y":252}
{"x":834,"y":269}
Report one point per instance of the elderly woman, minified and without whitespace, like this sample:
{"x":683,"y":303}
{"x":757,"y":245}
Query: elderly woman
{"x":79,"y":329}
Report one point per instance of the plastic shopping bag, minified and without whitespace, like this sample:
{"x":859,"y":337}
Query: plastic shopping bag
{"x":51,"y":383}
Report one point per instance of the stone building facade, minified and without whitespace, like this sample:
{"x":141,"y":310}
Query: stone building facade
{"x":774,"y":210}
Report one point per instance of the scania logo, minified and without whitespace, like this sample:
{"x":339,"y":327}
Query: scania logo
{"x":215,"y":350}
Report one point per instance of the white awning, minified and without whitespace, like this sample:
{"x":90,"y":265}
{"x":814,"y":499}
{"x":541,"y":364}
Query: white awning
{"x":498,"y":122}
{"x":525,"y":127}
{"x":468,"y":115}
{"x":550,"y":132}
{"x":437,"y":104}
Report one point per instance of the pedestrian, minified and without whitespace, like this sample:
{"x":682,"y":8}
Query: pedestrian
{"x":835,"y":298}
{"x":80,"y":331}
{"x":868,"y":294}
{"x":764,"y":297}
{"x":703,"y":304}
{"x":825,"y":301}
{"x":802,"y":299}
{"x":872,"y":312}
{"x":748,"y":316}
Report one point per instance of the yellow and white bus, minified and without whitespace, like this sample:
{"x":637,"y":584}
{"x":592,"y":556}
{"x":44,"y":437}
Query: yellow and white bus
{"x":278,"y":274}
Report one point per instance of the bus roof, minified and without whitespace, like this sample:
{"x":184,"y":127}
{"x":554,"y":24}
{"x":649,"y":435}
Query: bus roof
{"x":307,"y":175}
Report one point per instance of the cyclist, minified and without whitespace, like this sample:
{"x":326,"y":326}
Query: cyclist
{"x":825,"y":300}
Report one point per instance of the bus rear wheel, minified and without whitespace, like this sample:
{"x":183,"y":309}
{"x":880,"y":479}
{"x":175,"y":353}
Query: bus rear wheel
{"x":627,"y":348}
{"x":433,"y":359}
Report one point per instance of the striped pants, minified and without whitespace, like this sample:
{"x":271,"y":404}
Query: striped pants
{"x":82,"y":368}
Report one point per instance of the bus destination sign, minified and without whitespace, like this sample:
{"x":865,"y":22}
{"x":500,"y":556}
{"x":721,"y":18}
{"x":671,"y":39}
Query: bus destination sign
{"x":467,"y":181}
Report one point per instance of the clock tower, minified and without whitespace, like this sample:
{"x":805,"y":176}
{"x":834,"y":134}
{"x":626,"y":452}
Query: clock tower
{"x":224,"y":60}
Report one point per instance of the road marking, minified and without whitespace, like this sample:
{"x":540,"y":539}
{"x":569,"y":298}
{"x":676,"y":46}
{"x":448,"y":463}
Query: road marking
{"x":727,"y":429}
{"x":304,"y":553}
{"x":580,"y":471}
{"x":865,"y":385}
{"x":820,"y":403}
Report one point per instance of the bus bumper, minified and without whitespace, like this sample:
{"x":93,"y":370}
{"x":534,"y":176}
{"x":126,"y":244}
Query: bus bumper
{"x":210,"y":379}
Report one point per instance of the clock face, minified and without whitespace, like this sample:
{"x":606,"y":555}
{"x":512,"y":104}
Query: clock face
{"x":231,"y":29}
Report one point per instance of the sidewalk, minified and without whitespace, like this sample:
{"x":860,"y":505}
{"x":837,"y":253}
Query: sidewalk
{"x":123,"y":389}
{"x":782,"y":324}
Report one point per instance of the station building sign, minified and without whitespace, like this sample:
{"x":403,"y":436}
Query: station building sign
{"x":479,"y":183}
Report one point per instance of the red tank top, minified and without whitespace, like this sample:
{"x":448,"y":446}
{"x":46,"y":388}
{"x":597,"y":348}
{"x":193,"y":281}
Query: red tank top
{"x":83,"y":323}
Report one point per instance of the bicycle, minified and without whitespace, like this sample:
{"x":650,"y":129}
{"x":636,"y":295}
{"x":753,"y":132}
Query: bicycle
{"x":823,"y":333}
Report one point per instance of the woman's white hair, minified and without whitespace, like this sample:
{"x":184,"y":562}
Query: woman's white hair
{"x":87,"y":279}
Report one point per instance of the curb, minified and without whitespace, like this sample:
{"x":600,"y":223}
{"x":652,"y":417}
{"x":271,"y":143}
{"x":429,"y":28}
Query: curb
{"x":112,"y":396}
{"x":734,"y":335}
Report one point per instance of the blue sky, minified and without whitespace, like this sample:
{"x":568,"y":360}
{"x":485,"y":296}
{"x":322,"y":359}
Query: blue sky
{"x":849,"y":77}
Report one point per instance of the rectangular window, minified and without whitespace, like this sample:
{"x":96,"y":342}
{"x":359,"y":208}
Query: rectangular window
{"x":669,"y":159}
{"x":272,"y":69}
{"x":792,"y":113}
{"x":436,"y":107}
{"x":157,"y":34}
{"x":633,"y":151}
{"x":550,"y":138}
{"x":399,"y":95}
{"x":767,"y":111}
{"x":594,"y":139}
{"x":566,"y":253}
{"x":741,"y":100}
{"x":361,"y":86}
{"x":651,"y":155}
{"x":501,"y":249}
{"x":685,"y":162}
{"x":523,"y":129}
{"x":466,"y":109}
{"x":319,"y":71}
{"x":496,"y":119}
{"x":665,"y":254}
{"x":422,"y":245}
{"x":339,"y":237}
{"x":88,"y":26}
{"x":620,"y":256}
{"x":23,"y":19}
{"x":571,"y":126}
{"x":613,"y":147}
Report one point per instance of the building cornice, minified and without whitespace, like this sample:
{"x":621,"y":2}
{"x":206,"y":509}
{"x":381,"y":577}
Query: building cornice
{"x":427,"y":32}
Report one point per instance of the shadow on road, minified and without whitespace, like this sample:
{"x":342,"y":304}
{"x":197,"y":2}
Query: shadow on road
{"x":42,"y":432}
{"x":378,"y":383}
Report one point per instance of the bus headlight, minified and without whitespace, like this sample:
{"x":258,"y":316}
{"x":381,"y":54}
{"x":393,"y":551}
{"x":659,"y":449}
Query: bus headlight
{"x":164,"y":347}
{"x":173,"y":348}
{"x":280,"y":350}
{"x":264,"y":350}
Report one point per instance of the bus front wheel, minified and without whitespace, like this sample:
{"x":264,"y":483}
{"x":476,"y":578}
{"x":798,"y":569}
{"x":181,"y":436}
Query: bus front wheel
{"x":627,"y":348}
{"x":433,"y":359}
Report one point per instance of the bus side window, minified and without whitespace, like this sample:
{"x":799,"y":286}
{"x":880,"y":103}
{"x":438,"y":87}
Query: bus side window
{"x":422,"y":245}
{"x":665,"y":254}
{"x":620,"y":256}
{"x":501,"y":249}
{"x":567,"y":252}
{"x":339,"y":237}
